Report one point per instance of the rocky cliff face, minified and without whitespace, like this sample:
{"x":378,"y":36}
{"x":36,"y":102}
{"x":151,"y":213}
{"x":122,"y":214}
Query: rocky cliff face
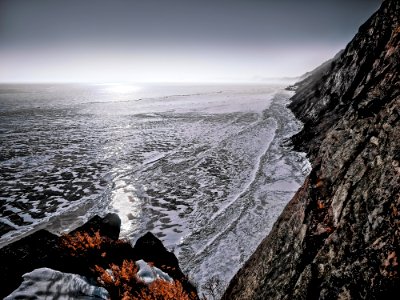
{"x":339,"y":237}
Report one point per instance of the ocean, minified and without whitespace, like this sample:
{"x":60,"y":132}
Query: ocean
{"x":206,"y":168}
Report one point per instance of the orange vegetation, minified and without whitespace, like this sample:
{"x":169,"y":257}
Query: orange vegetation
{"x":122,"y":283}
{"x":120,"y":280}
{"x":79,"y":242}
{"x":161,"y":289}
{"x":91,"y":246}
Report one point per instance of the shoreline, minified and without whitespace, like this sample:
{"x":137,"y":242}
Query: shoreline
{"x":338,"y":238}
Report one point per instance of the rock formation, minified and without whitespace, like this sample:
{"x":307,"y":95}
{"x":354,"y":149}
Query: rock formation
{"x":339,"y":237}
{"x":87,"y":251}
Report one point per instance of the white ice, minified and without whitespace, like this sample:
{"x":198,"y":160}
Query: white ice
{"x":148,"y":274}
{"x":45,"y":283}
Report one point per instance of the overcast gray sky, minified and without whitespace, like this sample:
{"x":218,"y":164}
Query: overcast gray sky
{"x":172,"y":40}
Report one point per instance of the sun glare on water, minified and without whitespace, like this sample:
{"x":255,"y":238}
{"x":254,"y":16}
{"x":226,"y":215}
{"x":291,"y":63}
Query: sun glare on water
{"x":119,"y":88}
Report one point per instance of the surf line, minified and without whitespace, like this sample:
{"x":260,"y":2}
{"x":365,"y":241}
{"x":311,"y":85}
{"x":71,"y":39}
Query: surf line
{"x":247,"y":186}
{"x":253,"y":174}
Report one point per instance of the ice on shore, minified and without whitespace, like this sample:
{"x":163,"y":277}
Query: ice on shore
{"x":148,"y":274}
{"x":45,"y":283}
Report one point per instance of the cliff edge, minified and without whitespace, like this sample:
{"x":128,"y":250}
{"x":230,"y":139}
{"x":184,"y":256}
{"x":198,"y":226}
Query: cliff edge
{"x":339,"y":237}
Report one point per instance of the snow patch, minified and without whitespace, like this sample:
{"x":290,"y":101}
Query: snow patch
{"x":45,"y":283}
{"x":148,"y":274}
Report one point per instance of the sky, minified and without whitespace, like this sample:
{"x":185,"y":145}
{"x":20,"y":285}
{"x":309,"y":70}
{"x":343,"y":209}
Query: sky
{"x":172,"y":40}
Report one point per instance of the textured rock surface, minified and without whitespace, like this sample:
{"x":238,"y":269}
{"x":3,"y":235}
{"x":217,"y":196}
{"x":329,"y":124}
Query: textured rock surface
{"x":339,"y":237}
{"x":44,"y":249}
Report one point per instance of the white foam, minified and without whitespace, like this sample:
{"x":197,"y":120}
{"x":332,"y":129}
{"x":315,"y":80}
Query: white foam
{"x":202,"y":168}
{"x":265,"y":141}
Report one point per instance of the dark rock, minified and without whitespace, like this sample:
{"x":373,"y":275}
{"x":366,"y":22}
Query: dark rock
{"x":44,"y":249}
{"x":151,"y":249}
{"x":23,"y":256}
{"x":339,"y":237}
{"x":109,"y":226}
{"x":361,"y":78}
{"x":4,"y":228}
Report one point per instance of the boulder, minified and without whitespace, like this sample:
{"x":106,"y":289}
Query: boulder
{"x":93,"y":244}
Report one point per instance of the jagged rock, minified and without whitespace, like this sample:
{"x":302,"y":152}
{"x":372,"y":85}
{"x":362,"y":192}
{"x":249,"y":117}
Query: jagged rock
{"x":23,"y":256}
{"x":43,"y":249}
{"x":360,"y":80}
{"x":109,"y":226}
{"x":339,"y":237}
{"x":152,"y":249}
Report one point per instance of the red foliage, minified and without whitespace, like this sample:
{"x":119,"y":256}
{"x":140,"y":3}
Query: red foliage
{"x":164,"y":290}
{"x":80,"y":243}
{"x":122,"y":283}
{"x":120,"y":280}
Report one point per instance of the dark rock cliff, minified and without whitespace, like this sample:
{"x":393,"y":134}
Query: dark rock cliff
{"x":339,"y":237}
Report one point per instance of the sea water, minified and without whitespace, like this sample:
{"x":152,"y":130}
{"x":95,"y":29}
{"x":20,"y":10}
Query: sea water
{"x":204,"y":167}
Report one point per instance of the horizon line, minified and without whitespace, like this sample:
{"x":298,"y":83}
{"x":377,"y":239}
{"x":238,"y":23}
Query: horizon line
{"x":255,"y":81}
